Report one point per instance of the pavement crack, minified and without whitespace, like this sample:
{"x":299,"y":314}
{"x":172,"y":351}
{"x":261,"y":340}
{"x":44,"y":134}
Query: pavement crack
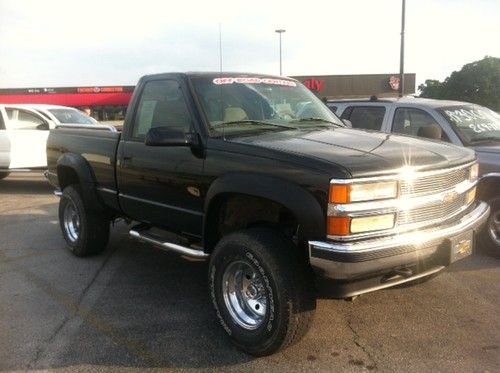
{"x":356,"y":341}
{"x":72,"y":307}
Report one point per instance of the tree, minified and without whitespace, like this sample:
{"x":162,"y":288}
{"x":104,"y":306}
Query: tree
{"x":477,"y":82}
{"x":431,"y":89}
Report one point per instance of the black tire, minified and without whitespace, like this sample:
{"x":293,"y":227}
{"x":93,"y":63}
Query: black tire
{"x":85,"y":231}
{"x":489,"y":239}
{"x":284,"y":278}
{"x":3,"y":175}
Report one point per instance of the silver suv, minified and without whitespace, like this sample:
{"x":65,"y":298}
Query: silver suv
{"x":459,"y":123}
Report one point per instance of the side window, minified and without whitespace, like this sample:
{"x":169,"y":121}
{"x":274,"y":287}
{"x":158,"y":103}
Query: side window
{"x":367,"y":117}
{"x":416,"y":122}
{"x":162,"y":104}
{"x":333,"y":108}
{"x":25,"y":120}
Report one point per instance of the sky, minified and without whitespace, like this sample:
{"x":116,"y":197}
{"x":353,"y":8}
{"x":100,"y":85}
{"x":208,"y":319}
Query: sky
{"x":53,"y":43}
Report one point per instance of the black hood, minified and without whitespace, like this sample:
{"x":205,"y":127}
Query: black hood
{"x":362,"y":153}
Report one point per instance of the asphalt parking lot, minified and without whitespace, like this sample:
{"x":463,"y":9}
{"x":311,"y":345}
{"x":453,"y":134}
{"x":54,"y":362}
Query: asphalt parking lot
{"x":135,"y":307}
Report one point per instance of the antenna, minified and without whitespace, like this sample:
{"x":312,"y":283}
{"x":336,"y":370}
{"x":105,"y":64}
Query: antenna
{"x":220,"y":48}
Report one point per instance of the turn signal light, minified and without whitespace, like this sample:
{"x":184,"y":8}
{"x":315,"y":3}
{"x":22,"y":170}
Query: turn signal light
{"x":338,"y":226}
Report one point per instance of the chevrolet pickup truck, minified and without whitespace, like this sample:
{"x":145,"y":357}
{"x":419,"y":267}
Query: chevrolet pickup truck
{"x":258,"y":176}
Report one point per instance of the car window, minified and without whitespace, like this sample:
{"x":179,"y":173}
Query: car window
{"x":333,"y":108}
{"x":417,"y":122}
{"x":367,"y":117}
{"x":162,"y":104}
{"x":10,"y":113}
{"x":25,"y":120}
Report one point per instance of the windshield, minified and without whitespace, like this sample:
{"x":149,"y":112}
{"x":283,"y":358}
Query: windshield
{"x":72,"y":116}
{"x":473,"y":123}
{"x":239,"y":104}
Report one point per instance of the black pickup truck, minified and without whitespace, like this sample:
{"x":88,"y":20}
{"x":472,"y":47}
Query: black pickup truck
{"x":257,"y":175}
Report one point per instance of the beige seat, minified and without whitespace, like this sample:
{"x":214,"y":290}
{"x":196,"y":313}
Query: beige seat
{"x":234,"y":114}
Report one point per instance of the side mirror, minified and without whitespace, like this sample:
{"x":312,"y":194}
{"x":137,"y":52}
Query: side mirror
{"x":347,"y":123}
{"x":166,"y":136}
{"x":43,"y":126}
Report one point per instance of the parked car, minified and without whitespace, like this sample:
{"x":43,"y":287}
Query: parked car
{"x":460,"y":123}
{"x":256,"y":174}
{"x":23,"y":139}
{"x":24,"y":132}
{"x":62,"y":114}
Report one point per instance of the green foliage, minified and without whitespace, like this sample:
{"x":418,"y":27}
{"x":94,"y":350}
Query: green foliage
{"x":477,"y":82}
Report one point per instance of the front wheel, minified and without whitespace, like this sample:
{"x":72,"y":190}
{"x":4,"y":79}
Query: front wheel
{"x":263,"y":293}
{"x":491,"y":235}
{"x":86,"y":232}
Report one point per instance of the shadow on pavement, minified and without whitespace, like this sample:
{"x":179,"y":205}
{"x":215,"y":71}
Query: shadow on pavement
{"x":25,"y":183}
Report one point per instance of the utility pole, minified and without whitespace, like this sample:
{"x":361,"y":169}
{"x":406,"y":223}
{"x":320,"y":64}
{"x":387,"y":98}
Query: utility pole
{"x":402,"y":54}
{"x":280,"y":31}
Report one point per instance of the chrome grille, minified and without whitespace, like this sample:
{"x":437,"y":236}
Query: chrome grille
{"x":434,"y":183}
{"x":437,"y":211}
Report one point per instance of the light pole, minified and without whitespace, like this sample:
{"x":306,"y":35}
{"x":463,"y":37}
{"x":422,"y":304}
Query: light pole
{"x":280,"y":31}
{"x":402,"y":53}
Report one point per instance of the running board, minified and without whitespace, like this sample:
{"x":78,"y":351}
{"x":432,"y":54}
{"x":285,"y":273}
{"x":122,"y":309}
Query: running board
{"x":183,"y":250}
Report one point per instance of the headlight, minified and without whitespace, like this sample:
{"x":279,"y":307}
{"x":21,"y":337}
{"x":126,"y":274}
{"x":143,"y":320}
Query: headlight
{"x":474,"y":172}
{"x":342,"y":193}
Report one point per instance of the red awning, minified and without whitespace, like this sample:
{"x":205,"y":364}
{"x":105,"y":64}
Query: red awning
{"x":70,"y":99}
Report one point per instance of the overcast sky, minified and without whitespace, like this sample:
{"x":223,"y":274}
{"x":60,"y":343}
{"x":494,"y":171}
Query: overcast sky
{"x":96,"y":42}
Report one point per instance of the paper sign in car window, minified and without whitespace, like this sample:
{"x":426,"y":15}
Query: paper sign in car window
{"x":254,"y":80}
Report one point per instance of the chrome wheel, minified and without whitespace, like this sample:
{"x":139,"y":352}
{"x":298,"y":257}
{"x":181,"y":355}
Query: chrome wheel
{"x":494,"y":226}
{"x":71,"y":221}
{"x":245,"y":295}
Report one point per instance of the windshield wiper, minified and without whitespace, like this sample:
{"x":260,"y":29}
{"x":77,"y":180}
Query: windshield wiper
{"x":251,"y":121}
{"x":314,"y":119}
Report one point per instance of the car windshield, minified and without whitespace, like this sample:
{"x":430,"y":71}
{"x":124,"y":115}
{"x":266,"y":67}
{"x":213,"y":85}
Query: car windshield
{"x":72,"y":116}
{"x":237,"y":104}
{"x":474,"y":123}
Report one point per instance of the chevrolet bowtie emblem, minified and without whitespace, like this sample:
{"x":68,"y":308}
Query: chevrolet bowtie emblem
{"x":450,"y":197}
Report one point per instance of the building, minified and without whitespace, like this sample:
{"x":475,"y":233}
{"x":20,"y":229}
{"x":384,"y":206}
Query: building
{"x":357,"y":86}
{"x":109,"y":103}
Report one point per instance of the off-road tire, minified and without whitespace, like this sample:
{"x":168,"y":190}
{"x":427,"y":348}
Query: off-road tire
{"x":93,"y":226}
{"x":288,"y":283}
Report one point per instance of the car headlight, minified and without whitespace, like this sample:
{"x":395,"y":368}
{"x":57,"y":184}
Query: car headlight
{"x":474,"y":172}
{"x":347,"y":193}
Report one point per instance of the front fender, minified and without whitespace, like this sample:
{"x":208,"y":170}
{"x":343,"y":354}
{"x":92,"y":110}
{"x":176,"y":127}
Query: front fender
{"x":298,"y":200}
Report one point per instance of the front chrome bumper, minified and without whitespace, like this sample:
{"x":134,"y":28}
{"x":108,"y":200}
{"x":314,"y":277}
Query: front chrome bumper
{"x":419,"y":253}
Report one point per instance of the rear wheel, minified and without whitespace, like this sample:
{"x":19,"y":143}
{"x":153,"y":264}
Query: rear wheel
{"x":86,"y":232}
{"x":262,"y":291}
{"x":3,"y":175}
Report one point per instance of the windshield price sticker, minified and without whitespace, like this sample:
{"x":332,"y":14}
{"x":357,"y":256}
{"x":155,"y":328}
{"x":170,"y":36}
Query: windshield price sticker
{"x":253,"y":80}
{"x":474,"y":119}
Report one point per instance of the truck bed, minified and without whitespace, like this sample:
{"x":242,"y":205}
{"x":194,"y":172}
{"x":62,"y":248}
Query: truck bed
{"x":97,"y":146}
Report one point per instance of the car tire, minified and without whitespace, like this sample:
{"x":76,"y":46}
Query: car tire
{"x":262,"y":291}
{"x":3,"y":175}
{"x":490,"y":236}
{"x":86,"y":232}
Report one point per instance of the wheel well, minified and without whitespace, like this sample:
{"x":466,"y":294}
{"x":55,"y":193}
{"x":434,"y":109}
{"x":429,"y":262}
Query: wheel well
{"x":488,"y":188}
{"x":66,"y":176}
{"x":232,"y":212}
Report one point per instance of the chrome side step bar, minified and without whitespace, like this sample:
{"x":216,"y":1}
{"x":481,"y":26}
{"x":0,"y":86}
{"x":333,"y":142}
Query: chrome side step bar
{"x":183,"y":250}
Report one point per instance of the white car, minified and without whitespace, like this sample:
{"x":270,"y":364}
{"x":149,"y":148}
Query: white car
{"x":24,"y":130}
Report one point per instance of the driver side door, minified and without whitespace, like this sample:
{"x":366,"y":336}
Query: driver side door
{"x":27,"y":133}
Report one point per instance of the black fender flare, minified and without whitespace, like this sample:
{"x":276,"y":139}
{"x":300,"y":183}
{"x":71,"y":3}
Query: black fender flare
{"x":304,"y":206}
{"x":86,"y":178}
{"x":489,"y":186}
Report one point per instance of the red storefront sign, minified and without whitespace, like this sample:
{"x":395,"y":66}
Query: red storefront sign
{"x":73,"y":96}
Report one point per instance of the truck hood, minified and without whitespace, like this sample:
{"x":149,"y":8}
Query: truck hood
{"x":362,"y":153}
{"x":493,"y":149}
{"x":489,"y":158}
